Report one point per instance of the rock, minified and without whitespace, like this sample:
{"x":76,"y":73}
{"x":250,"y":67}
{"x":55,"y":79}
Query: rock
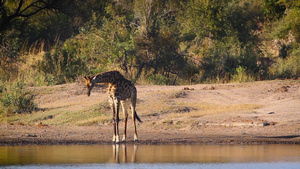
{"x":283,"y":88}
{"x":40,"y":124}
{"x":31,"y":135}
{"x":187,"y":88}
{"x":212,"y":88}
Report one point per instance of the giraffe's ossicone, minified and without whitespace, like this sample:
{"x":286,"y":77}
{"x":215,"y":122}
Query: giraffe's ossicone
{"x":121,"y":91}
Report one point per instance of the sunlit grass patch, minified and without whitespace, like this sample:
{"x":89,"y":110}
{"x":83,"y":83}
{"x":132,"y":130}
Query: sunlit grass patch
{"x":79,"y":117}
{"x":211,"y":109}
{"x":177,"y":120}
{"x":94,"y":120}
{"x":96,"y":114}
{"x":156,"y":103}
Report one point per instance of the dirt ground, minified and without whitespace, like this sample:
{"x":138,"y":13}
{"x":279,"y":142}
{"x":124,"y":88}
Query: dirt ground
{"x":265,"y":112}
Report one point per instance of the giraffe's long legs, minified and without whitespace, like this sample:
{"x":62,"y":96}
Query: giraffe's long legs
{"x":134,"y":122}
{"x":117,"y":119}
{"x":124,"y":108}
{"x":132,"y":106}
{"x":114,"y":104}
{"x":114,"y":119}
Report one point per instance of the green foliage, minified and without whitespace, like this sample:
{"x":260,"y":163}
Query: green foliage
{"x":166,"y":42}
{"x":273,"y":9}
{"x":224,"y":38}
{"x":241,"y":75}
{"x":288,"y":26}
{"x":33,"y":77}
{"x":157,"y":38}
{"x":16,"y":98}
{"x":61,"y":65}
{"x":189,"y":73}
{"x":9,"y":53}
{"x":287,"y":68}
{"x":287,"y":31}
{"x":157,"y":79}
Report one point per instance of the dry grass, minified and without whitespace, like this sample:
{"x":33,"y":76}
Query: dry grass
{"x":170,"y":113}
{"x":159,"y":107}
{"x":59,"y":106}
{"x":68,"y":105}
{"x":211,"y":109}
{"x":175,"y":109}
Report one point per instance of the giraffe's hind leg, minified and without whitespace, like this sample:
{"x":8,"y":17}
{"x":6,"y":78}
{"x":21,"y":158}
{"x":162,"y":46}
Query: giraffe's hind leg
{"x":132,"y":107}
{"x":134,"y":122}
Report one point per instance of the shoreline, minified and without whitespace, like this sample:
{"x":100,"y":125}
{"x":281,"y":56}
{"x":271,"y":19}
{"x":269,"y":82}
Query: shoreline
{"x":33,"y":135}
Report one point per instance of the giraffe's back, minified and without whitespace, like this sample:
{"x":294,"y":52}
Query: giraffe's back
{"x":124,"y":89}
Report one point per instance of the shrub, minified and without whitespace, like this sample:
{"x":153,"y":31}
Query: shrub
{"x":61,"y":65}
{"x":241,"y":75}
{"x":287,"y":68}
{"x":157,"y":79}
{"x":16,"y":98}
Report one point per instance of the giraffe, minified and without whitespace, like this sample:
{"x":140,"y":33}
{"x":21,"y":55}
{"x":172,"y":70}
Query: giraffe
{"x":120,"y":91}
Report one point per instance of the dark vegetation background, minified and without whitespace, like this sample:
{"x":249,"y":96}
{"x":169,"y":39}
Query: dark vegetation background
{"x":172,"y":42}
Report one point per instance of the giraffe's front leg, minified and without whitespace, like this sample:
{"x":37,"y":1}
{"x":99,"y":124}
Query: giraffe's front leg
{"x":117,"y":119}
{"x":112,"y":105}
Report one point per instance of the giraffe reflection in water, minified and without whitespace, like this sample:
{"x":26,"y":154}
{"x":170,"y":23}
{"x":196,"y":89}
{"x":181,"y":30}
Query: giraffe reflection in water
{"x":120,"y":156}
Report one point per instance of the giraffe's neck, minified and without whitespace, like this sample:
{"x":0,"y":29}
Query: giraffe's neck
{"x":108,"y":77}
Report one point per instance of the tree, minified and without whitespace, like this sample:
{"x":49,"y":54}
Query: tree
{"x":14,"y":15}
{"x":40,"y":24}
{"x":12,"y":11}
{"x":220,"y":35}
{"x":273,"y":10}
{"x":157,"y":38}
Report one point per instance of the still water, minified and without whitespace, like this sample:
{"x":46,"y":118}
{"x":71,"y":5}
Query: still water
{"x":150,"y":156}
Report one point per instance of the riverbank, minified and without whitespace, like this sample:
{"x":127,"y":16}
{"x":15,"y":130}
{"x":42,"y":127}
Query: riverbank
{"x":53,"y":135}
{"x":266,"y":112}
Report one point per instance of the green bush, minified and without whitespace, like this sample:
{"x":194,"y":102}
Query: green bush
{"x":61,"y":65}
{"x":241,"y":75}
{"x":157,"y":79}
{"x":16,"y":98}
{"x":286,"y":68}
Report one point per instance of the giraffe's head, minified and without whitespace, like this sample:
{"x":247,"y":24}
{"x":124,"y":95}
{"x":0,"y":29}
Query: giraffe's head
{"x":89,"y":84}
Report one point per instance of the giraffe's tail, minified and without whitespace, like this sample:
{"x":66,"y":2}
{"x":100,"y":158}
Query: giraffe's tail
{"x":137,"y":117}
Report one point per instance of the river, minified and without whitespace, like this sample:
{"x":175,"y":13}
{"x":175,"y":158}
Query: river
{"x":150,"y":156}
